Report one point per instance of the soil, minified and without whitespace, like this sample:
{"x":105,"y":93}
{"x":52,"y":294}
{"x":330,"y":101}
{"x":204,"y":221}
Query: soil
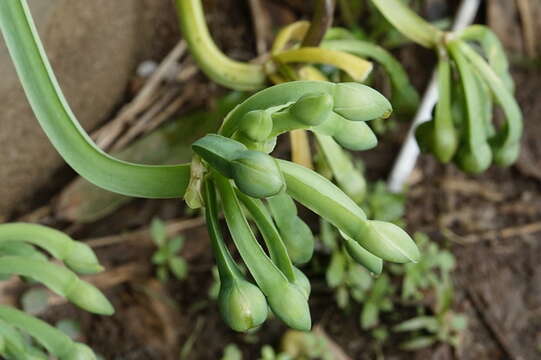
{"x":491,"y":222}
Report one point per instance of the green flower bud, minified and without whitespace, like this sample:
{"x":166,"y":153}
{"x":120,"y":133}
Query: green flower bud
{"x":445,"y":144}
{"x":359,"y":102}
{"x":302,"y":281}
{"x":290,"y":305}
{"x":312,"y":109}
{"x":356,"y":136}
{"x":80,"y":352}
{"x":256,"y":125}
{"x":89,"y":298}
{"x":82,"y":259}
{"x":474,"y":162}
{"x":389,"y":242}
{"x":353,"y":135}
{"x":257,"y":174}
{"x":242,"y":305}
{"x":362,"y":256}
{"x":506,"y":155}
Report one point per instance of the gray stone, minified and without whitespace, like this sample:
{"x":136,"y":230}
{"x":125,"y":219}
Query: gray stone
{"x":94,"y":47}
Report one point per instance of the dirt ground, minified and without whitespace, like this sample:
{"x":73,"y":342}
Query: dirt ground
{"x":492,"y":223}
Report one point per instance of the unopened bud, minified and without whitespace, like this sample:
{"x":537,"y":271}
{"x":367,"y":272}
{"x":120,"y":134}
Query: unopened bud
{"x":242,"y":304}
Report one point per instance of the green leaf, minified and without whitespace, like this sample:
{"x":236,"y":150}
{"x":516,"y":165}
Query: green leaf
{"x":417,"y":343}
{"x":162,"y":273}
{"x":160,"y":256}
{"x":428,"y":323}
{"x":158,"y":232}
{"x":336,"y":270}
{"x":175,"y":244}
{"x":178,"y":267}
{"x":59,"y":123}
{"x":369,"y":315}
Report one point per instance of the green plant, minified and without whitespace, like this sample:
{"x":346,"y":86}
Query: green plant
{"x":444,"y":325}
{"x":295,"y":345}
{"x":435,"y":264}
{"x":476,"y":57}
{"x":167,"y":258}
{"x":234,"y":168}
{"x":18,"y":256}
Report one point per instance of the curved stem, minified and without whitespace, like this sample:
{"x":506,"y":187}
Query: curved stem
{"x":354,"y":66}
{"x":321,"y":21}
{"x":409,"y":23}
{"x":227,"y":268}
{"x":217,"y":66}
{"x":62,"y":128}
{"x":493,"y":49}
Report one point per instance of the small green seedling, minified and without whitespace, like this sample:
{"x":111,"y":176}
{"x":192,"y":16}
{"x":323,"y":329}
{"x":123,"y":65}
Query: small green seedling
{"x":445,"y":326}
{"x":427,"y":273}
{"x":378,"y":300}
{"x":167,"y":258}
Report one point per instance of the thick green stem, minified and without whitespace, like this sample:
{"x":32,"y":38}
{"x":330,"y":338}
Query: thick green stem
{"x":64,"y":131}
{"x":213,"y":62}
{"x":273,"y":240}
{"x":227,"y":267}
